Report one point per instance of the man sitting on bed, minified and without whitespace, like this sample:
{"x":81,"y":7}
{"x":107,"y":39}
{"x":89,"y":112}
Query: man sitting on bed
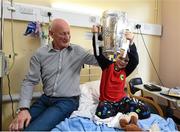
{"x":113,"y":98}
{"x":58,"y":65}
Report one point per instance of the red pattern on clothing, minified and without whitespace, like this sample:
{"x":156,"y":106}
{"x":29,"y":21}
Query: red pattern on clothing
{"x":112,"y":86}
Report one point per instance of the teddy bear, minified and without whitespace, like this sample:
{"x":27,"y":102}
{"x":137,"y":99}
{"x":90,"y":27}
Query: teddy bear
{"x":129,"y":122}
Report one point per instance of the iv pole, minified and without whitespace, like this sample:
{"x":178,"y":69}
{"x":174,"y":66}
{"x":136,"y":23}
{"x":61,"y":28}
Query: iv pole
{"x":1,"y":78}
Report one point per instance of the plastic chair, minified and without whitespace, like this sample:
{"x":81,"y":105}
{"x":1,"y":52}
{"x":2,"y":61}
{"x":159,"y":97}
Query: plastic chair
{"x":154,"y":107}
{"x":135,"y":81}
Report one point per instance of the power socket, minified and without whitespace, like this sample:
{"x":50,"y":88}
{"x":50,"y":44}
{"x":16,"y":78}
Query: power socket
{"x":138,"y":26}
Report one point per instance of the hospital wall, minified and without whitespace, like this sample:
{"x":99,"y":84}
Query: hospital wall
{"x":170,"y":44}
{"x":148,"y":11}
{"x":169,"y":65}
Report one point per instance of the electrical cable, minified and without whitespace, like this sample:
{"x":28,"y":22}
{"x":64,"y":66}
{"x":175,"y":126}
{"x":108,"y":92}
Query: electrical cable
{"x":13,"y":59}
{"x":150,"y":57}
{"x":137,"y":45}
{"x":12,"y":103}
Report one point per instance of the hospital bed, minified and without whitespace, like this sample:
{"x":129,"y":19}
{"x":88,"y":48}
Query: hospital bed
{"x":84,"y":120}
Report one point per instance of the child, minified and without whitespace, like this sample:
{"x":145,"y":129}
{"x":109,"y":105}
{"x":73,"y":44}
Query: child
{"x":113,"y":98}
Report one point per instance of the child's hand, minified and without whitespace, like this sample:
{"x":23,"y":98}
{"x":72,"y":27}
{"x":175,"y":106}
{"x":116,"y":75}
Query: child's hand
{"x":94,"y":29}
{"x":129,"y":36}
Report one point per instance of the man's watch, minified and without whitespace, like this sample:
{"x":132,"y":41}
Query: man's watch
{"x":21,"y":109}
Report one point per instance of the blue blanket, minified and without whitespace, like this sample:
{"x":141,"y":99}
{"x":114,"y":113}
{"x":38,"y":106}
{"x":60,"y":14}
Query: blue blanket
{"x":165,"y":125}
{"x":81,"y":124}
{"x":85,"y":124}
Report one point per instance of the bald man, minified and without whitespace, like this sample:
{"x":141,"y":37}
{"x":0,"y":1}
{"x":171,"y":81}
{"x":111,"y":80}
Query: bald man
{"x":58,"y":65}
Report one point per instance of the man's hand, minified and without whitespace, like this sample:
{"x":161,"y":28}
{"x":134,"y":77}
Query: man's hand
{"x":23,"y":118}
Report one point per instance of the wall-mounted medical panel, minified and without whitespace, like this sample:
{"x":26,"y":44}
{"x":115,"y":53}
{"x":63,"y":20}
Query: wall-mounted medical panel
{"x":27,"y":12}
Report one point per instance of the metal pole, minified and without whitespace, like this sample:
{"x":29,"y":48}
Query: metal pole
{"x":1,"y":78}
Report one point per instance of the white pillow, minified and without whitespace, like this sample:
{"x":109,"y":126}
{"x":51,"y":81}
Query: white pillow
{"x":90,"y":91}
{"x":89,"y":99}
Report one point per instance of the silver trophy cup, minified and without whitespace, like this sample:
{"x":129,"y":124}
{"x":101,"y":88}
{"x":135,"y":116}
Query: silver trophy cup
{"x":114,"y":25}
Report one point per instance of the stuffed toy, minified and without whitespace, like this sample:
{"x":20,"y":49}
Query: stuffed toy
{"x":129,"y":122}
